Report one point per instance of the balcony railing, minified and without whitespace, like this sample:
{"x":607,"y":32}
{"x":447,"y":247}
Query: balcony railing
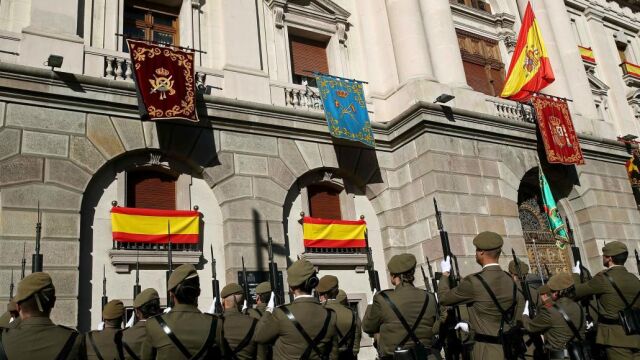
{"x":510,"y":110}
{"x":335,"y":250}
{"x":301,"y":96}
{"x":117,"y":245}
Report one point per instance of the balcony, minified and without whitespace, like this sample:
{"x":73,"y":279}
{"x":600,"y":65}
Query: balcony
{"x":474,"y":4}
{"x":631,"y":74}
{"x":510,"y":110}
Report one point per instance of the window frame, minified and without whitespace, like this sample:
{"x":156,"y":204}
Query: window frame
{"x":148,"y":25}
{"x":151,"y":169}
{"x":483,"y":59}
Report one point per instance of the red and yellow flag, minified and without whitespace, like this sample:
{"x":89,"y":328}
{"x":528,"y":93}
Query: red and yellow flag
{"x":153,"y":226}
{"x":530,"y":70}
{"x":325,"y":233}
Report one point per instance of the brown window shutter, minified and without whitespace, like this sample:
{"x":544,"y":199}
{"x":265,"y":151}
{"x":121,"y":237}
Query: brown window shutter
{"x":324,"y":202}
{"x":497,"y":78}
{"x":151,"y":190}
{"x":308,"y":55}
{"x":477,"y":77}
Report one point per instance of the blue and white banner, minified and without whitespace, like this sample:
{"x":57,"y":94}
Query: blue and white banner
{"x":345,"y":109}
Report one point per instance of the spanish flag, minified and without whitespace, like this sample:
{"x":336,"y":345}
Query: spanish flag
{"x":325,"y":233}
{"x":530,"y":70}
{"x":153,"y":226}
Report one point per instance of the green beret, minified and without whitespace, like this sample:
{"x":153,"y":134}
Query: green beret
{"x":299,"y":272}
{"x":544,"y":289}
{"x":33,"y":283}
{"x":327,"y":283}
{"x":182,"y":273}
{"x":488,"y":240}
{"x":231,"y":289}
{"x":113,"y":310}
{"x":342,"y":297}
{"x":614,"y":248}
{"x":524,"y":268}
{"x":263,"y":287}
{"x":560,"y":281}
{"x":400,"y":264}
{"x":145,"y":296}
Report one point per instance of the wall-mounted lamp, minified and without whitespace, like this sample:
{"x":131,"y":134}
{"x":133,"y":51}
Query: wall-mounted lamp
{"x":628,"y":137}
{"x":55,"y":61}
{"x":443,"y":99}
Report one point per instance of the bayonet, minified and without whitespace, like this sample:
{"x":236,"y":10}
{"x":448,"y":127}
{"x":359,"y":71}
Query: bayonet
{"x":245,"y":285}
{"x":36,"y":261}
{"x":24,"y":260}
{"x":215,"y":285}
{"x":105,"y":299}
{"x":273,"y":270}
{"x":137,"y":288}
{"x":11,"y":286}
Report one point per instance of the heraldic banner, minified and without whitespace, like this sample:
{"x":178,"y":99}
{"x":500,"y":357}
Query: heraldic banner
{"x":166,"y":81}
{"x":345,"y":109}
{"x":556,"y":128}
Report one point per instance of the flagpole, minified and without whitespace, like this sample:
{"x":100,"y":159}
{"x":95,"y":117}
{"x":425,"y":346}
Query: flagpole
{"x":535,"y":247}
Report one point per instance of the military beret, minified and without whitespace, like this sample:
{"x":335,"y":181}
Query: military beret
{"x":342,"y":297}
{"x":327,"y":283}
{"x":145,"y":296}
{"x":488,"y":240}
{"x":231,"y":289}
{"x":299,"y":272}
{"x":31,"y":284}
{"x":402,"y":263}
{"x":113,"y":310}
{"x":544,"y":289}
{"x":11,"y":306}
{"x":182,"y":273}
{"x":524,"y":268}
{"x":614,"y":248}
{"x":560,"y":281}
{"x":263,"y":287}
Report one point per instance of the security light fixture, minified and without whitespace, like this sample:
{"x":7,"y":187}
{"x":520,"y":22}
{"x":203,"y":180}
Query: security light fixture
{"x":55,"y":61}
{"x":444,"y":98}
{"x":628,"y":137}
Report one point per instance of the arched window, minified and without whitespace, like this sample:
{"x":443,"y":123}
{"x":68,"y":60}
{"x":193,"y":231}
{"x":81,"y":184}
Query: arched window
{"x":324,"y":201}
{"x":151,"y":189}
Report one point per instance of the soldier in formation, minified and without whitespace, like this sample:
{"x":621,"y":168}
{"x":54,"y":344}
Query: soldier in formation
{"x":237,"y":329}
{"x":145,"y":305}
{"x":104,"y":344}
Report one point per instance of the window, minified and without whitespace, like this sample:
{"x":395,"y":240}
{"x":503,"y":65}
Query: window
{"x":476,"y":4}
{"x":307,"y":56}
{"x":483,"y":67}
{"x":152,"y":22}
{"x":151,"y":189}
{"x":324,"y":201}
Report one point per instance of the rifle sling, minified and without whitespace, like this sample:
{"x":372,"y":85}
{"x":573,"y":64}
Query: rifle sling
{"x":68,"y":346}
{"x":312,"y":343}
{"x":349,"y":335}
{"x":409,"y":329}
{"x":93,"y":346}
{"x":567,"y":319}
{"x":243,"y":343}
{"x":204,"y":350}
{"x":503,"y":312}
{"x":3,"y":354}
{"x":130,"y":351}
{"x":620,"y":294}
{"x":167,"y":330}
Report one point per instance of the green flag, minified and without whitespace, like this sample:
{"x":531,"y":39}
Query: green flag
{"x":556,"y":224}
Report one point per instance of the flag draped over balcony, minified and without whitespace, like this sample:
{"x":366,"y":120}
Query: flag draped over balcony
{"x":530,"y":70}
{"x":556,"y":129}
{"x":155,"y":226}
{"x":345,"y":109}
{"x":556,"y":224}
{"x":327,"y":233}
{"x":165,"y":79}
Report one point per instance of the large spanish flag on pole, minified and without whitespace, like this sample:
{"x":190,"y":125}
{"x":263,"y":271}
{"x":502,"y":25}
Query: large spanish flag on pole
{"x":326,"y":233}
{"x":151,"y":225}
{"x":530,"y":70}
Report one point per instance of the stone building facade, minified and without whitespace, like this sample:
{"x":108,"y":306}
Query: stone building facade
{"x":71,"y":138}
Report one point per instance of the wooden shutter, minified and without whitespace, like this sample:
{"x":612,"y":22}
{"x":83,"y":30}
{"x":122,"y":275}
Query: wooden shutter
{"x":497,"y":81}
{"x":324,"y":202}
{"x":151,"y":190}
{"x":308,"y":55}
{"x":477,"y":77}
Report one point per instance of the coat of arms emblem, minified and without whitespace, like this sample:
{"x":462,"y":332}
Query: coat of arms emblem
{"x":162,"y":83}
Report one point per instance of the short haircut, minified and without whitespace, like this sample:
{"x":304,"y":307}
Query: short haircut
{"x":150,"y":308}
{"x":30,"y":305}
{"x":116,"y":323}
{"x":494,"y":254}
{"x":331,"y":293}
{"x":188,"y":291}
{"x":621,"y":258}
{"x":407,"y":277}
{"x":264,"y":297}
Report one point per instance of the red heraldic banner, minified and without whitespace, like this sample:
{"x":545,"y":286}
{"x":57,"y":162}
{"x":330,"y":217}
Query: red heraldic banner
{"x":166,"y":81}
{"x":556,"y":128}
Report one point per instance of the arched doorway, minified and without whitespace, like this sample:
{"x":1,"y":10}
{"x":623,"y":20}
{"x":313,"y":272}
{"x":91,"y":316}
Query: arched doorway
{"x":544,"y":256}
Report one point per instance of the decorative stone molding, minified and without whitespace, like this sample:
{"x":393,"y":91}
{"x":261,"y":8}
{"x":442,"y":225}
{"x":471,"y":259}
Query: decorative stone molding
{"x":125,"y":260}
{"x":634,"y":102}
{"x":356,"y":261}
{"x":278,"y":15}
{"x":341,"y":31}
{"x":510,"y":39}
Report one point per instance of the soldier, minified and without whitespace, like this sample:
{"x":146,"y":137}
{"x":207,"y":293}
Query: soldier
{"x":303,"y":329}
{"x":545,"y":297}
{"x":263,"y":294}
{"x":184,"y":332}
{"x":405,"y":317}
{"x":349,"y":327}
{"x":11,"y":317}
{"x":146,"y":305}
{"x":478,"y":291}
{"x":550,"y":320}
{"x":342,"y":298}
{"x":524,"y":268}
{"x":236,"y":332}
{"x":105,"y":343}
{"x":615,"y":289}
{"x":36,"y":336}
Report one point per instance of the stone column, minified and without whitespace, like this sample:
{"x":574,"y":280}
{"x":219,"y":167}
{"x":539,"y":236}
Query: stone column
{"x":409,"y":40}
{"x":374,"y":31}
{"x":52,"y":30}
{"x":443,"y":42}
{"x":608,"y":60}
{"x":571,"y":60}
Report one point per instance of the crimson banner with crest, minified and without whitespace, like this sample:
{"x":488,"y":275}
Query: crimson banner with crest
{"x":165,"y":78}
{"x":556,"y":128}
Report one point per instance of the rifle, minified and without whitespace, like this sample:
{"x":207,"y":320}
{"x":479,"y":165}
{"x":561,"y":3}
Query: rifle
{"x":245,"y":285}
{"x":434,"y":281}
{"x":374,"y":279}
{"x":637,"y":261}
{"x":538,"y":343}
{"x":546,"y":269}
{"x":137,"y":288}
{"x":24,"y":259}
{"x":215,"y":285}
{"x":273,"y":270}
{"x":11,"y":286}
{"x":452,"y":343}
{"x":36,"y":259}
{"x":105,"y":299}
{"x":427,"y":286}
{"x":169,"y":263}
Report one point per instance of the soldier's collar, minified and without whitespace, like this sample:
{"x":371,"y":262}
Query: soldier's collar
{"x":184,"y":308}
{"x":37,"y":320}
